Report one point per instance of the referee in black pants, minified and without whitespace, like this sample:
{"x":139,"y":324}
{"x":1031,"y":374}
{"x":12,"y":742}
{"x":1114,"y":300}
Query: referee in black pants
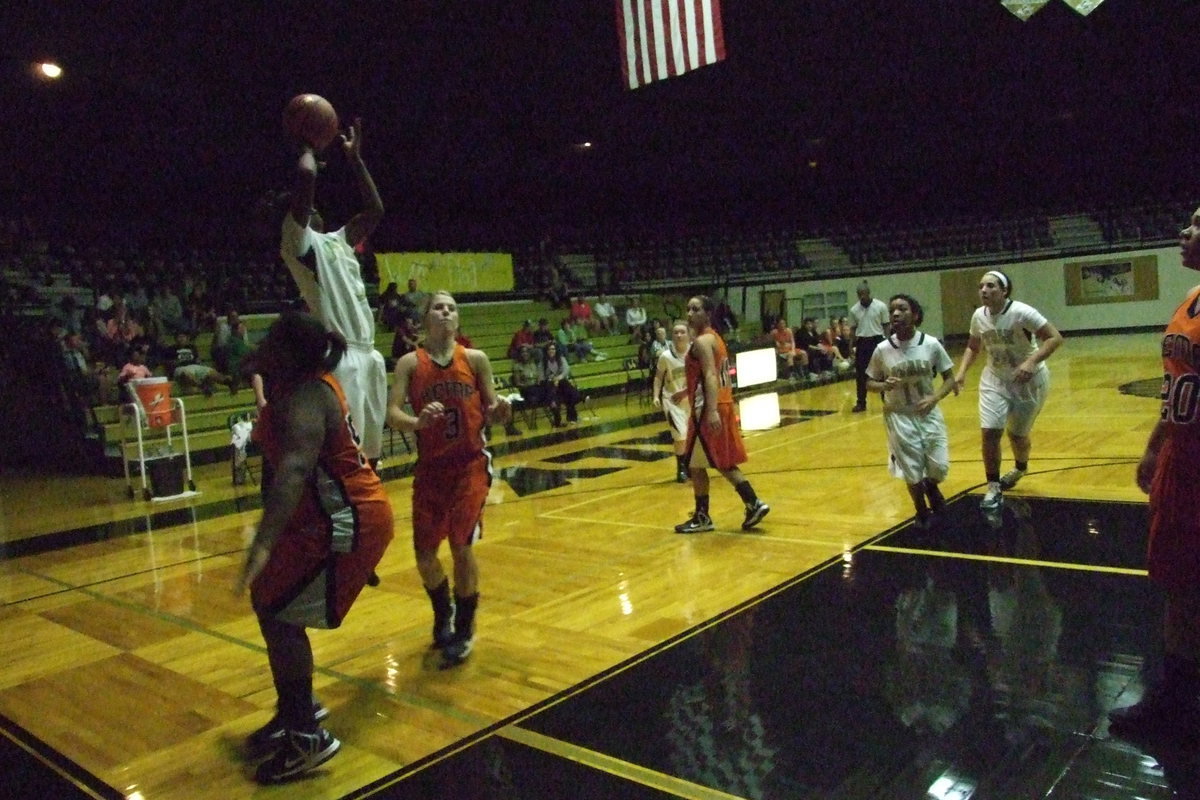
{"x":869,"y":323}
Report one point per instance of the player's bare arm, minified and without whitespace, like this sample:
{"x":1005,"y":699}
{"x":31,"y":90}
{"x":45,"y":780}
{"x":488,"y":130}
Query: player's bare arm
{"x":496,"y":408}
{"x":708,"y":370}
{"x":397,"y":417}
{"x":969,"y":355}
{"x":307,"y":414}
{"x":1049,"y":340}
{"x":304,"y":186}
{"x":365,"y":221}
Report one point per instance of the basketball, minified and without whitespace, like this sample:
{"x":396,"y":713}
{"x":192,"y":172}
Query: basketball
{"x":312,"y":119}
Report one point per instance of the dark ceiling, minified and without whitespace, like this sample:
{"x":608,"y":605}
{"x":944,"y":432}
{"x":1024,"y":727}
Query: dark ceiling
{"x":908,"y":108}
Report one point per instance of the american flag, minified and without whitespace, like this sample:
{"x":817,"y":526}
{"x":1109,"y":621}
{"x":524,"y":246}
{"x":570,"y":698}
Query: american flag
{"x":664,"y":38}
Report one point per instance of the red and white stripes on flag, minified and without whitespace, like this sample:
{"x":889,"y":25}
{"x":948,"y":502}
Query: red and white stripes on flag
{"x":664,"y":38}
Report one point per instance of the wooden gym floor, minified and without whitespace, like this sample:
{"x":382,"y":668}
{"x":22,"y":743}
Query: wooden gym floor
{"x":836,"y":652}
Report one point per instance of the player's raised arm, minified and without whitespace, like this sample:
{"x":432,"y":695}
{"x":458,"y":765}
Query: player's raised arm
{"x":365,"y":221}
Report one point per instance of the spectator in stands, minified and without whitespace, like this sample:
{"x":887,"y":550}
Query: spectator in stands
{"x":542,"y":338}
{"x":527,"y":377}
{"x":659,"y":344}
{"x":724,"y":322}
{"x":167,"y":311}
{"x":184,"y":367}
{"x":406,"y":339}
{"x":808,"y":342}
{"x":135,"y":368}
{"x":523,"y":336}
{"x":581,"y":311}
{"x":82,"y":381}
{"x":70,"y":314}
{"x":223,"y":330}
{"x":122,"y":328}
{"x":645,"y":343}
{"x":559,"y":293}
{"x":635,"y":319}
{"x":391,"y":309}
{"x":569,"y":342}
{"x":556,"y":378}
{"x":413,"y":301}
{"x":606,"y":315}
{"x":790,"y":361}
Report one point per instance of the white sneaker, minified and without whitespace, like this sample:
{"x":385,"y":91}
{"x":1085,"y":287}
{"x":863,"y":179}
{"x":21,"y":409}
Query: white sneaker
{"x":1009,"y":479}
{"x":994,"y":497}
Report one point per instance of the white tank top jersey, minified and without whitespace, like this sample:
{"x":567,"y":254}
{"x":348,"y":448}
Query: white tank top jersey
{"x":915,"y":362}
{"x":336,"y":293}
{"x":1008,"y":337}
{"x":676,"y":380}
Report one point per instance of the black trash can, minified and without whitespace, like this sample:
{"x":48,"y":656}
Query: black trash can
{"x":166,"y":475}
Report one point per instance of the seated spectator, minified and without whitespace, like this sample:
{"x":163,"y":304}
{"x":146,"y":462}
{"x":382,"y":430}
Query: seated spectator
{"x":135,"y":369}
{"x":808,"y":341}
{"x":390,"y":308}
{"x":413,"y":301}
{"x":635,"y":319}
{"x":166,"y":311}
{"x":606,"y":315}
{"x":542,"y":338}
{"x":184,"y":367}
{"x":581,"y":312}
{"x":526,"y":379}
{"x":724,"y":321}
{"x":223,"y":333}
{"x":556,"y":378}
{"x":559,"y":293}
{"x":792,"y":361}
{"x":659,"y":344}
{"x":82,"y":381}
{"x":121,"y":328}
{"x":645,"y":346}
{"x":523,"y":337}
{"x":405,"y":340}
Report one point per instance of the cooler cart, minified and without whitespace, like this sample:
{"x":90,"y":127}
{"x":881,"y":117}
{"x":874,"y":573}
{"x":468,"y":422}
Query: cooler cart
{"x":153,"y":407}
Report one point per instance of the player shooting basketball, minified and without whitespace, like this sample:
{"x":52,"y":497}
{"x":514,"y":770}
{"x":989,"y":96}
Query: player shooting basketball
{"x":329,"y":277}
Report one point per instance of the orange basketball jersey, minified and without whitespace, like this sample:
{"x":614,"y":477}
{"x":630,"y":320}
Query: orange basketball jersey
{"x":458,"y":436}
{"x":342,"y":482}
{"x":695,"y":371}
{"x":1181,"y":369}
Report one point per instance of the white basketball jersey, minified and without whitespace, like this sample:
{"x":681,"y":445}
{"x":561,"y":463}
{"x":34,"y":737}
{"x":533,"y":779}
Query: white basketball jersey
{"x":336,"y":293}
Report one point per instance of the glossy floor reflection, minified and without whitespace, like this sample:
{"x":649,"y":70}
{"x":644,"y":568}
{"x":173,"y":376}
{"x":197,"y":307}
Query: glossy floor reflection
{"x":976,"y":659}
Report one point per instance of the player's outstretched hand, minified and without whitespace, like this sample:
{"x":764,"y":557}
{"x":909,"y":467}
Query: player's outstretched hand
{"x":352,"y":140}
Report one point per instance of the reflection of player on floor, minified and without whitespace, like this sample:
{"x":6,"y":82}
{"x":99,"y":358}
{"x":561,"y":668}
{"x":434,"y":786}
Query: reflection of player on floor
{"x":902,"y":368}
{"x":329,"y":277}
{"x":326,"y":523}
{"x":1169,"y":472}
{"x":449,"y":388}
{"x":671,"y":395}
{"x":716,"y":440}
{"x":1015,"y":379}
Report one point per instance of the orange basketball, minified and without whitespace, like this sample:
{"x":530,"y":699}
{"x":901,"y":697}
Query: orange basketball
{"x":311,"y":118}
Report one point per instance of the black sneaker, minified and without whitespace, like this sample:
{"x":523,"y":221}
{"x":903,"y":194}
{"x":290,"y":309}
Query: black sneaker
{"x":681,"y":476}
{"x":267,"y":739}
{"x":456,"y":650}
{"x":699,"y":523}
{"x":754,"y":514}
{"x":443,"y":630}
{"x":937,"y":503}
{"x":859,"y":408}
{"x":299,"y":753}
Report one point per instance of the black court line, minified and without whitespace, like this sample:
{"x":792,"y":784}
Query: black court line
{"x":33,"y":769}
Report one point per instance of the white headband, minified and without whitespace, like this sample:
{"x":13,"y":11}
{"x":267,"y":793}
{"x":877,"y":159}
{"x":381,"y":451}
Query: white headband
{"x":999,"y":277}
